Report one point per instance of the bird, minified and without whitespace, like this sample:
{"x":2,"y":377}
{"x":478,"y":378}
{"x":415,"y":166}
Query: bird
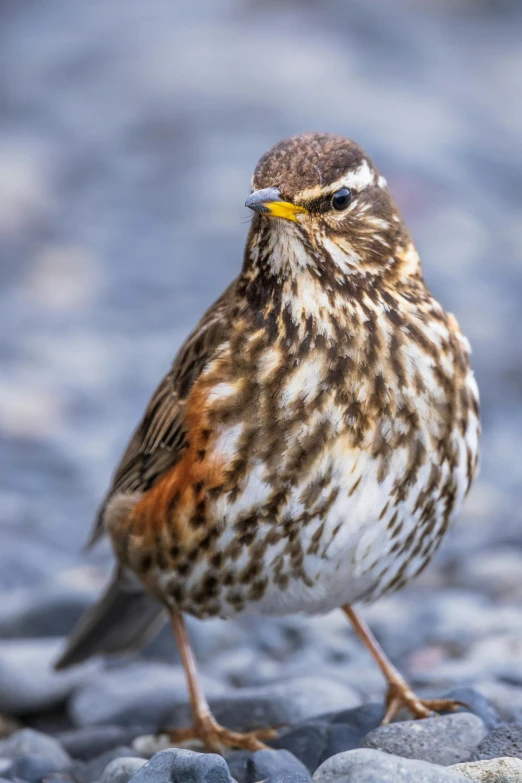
{"x":313,"y":440}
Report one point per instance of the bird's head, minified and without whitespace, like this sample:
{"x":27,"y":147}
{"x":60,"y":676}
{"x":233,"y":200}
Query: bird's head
{"x":321,"y":205}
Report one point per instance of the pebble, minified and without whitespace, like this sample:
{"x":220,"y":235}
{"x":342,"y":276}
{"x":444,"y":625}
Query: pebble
{"x":499,"y":572}
{"x":442,"y":740}
{"x":28,"y":742}
{"x":89,"y":741}
{"x":248,"y":767}
{"x":317,"y":739}
{"x":476,"y":703}
{"x":274,"y":704}
{"x":183,"y":766}
{"x":92,"y":770}
{"x":505,"y":740}
{"x":365,"y":765}
{"x":146,"y":691}
{"x":60,"y":777}
{"x":500,"y":770}
{"x":7,"y":726}
{"x":32,"y":768}
{"x":28,"y":682}
{"x":507,"y":699}
{"x":122,"y":770}
{"x":44,"y":612}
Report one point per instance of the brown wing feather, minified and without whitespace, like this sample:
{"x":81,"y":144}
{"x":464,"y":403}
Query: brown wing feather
{"x":159,"y":439}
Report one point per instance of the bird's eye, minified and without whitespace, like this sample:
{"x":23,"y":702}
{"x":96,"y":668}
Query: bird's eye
{"x":341,"y":199}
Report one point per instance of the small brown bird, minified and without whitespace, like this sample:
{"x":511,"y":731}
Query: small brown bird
{"x":314,"y":438}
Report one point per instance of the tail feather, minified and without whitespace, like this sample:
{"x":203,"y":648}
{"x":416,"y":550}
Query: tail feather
{"x":122,"y":620}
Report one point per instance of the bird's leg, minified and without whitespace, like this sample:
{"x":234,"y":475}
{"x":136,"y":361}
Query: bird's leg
{"x":204,"y":726}
{"x":399,"y":692}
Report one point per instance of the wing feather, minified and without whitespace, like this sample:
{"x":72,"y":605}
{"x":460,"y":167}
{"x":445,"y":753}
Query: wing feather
{"x":159,"y":439}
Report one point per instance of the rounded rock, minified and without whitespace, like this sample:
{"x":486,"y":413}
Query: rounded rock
{"x":248,"y":767}
{"x":122,"y":770}
{"x":505,"y":740}
{"x":32,"y":769}
{"x":184,"y":766}
{"x":444,"y":740}
{"x":503,"y":770}
{"x":28,"y":742}
{"x":365,"y":765}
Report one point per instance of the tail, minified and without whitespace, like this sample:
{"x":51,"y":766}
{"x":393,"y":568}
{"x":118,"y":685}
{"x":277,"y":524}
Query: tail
{"x":122,"y":620}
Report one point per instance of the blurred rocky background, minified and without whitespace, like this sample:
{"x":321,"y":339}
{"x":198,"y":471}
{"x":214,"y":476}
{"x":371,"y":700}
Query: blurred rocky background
{"x":129,"y":132}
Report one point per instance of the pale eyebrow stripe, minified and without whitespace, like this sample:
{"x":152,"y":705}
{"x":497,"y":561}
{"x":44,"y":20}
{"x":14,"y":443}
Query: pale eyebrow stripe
{"x":358,"y":180}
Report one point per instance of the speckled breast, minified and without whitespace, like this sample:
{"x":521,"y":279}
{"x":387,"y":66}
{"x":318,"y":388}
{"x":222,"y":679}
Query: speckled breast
{"x":309,"y":482}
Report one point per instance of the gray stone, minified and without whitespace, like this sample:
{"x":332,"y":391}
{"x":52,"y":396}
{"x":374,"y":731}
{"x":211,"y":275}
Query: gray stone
{"x":499,"y":572}
{"x":247,"y":767}
{"x":443,"y":740}
{"x":92,"y":770}
{"x":477,"y":704}
{"x":43,"y":612}
{"x":32,"y":768}
{"x":274,"y":704}
{"x":308,"y":743}
{"x":28,"y":682}
{"x":122,"y":770}
{"x":28,"y":742}
{"x":503,"y":770}
{"x":144,"y":691}
{"x":184,"y":766}
{"x":373,"y":766}
{"x":89,"y":741}
{"x":315,"y":740}
{"x":59,"y":777}
{"x":503,"y":741}
{"x":287,"y":777}
{"x":507,"y":699}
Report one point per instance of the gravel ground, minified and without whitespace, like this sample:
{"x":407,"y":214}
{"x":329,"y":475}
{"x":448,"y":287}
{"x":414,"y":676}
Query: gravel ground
{"x":129,"y":133}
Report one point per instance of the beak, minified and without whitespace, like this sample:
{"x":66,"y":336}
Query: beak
{"x":269,"y":202}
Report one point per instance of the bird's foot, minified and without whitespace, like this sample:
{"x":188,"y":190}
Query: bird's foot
{"x":215,"y":738}
{"x":401,"y":695}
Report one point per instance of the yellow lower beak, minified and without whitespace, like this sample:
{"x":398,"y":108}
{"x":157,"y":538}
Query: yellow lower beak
{"x":283,"y":209}
{"x":268,"y":202}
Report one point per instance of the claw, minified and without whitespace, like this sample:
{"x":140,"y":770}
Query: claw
{"x":400,"y":695}
{"x":216,"y":738}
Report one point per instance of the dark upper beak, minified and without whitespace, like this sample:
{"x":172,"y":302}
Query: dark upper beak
{"x":270,"y":202}
{"x":259,"y":198}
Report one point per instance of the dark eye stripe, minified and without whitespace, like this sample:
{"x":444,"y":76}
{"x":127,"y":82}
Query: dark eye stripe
{"x":324,"y":203}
